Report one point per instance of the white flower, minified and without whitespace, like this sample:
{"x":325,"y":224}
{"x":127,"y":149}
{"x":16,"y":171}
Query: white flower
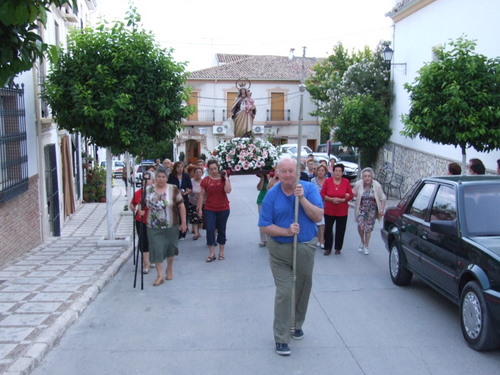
{"x":246,"y":154}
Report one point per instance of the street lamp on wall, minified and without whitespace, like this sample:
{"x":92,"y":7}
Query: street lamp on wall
{"x":387,"y":54}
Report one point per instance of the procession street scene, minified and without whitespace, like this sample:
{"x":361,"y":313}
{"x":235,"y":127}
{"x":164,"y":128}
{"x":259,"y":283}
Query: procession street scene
{"x":229,"y":204}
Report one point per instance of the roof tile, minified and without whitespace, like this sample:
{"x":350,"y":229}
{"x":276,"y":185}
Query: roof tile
{"x":257,"y":67}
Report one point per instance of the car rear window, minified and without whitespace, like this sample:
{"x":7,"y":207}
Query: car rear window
{"x":481,"y":205}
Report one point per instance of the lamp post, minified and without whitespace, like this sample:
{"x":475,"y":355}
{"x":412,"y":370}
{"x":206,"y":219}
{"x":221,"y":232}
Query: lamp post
{"x":387,"y":54}
{"x":302,"y":88}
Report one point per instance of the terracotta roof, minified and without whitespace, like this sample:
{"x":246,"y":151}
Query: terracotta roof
{"x":256,"y":67}
{"x":224,"y":58}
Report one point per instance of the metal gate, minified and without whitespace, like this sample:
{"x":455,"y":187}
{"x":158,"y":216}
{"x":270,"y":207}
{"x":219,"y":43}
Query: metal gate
{"x":52,"y":189}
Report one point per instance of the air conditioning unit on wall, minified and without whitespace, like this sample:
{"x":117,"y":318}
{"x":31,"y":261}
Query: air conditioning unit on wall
{"x":258,"y":129}
{"x":219,"y":129}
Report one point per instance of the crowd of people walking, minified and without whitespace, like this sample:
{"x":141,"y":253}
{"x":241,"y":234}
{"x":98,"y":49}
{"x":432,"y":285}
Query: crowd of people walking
{"x":174,"y":195}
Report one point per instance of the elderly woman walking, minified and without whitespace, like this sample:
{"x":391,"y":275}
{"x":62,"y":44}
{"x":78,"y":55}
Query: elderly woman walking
{"x":370,"y":205}
{"x":166,"y":215}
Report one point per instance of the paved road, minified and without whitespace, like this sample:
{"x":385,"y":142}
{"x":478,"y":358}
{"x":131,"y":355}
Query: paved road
{"x":216,"y":318}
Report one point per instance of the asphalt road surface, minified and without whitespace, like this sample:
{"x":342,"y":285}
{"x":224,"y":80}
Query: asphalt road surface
{"x":216,"y":318}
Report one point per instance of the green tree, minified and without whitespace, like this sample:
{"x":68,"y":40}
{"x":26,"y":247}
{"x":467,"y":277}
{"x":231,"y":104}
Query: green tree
{"x":363,"y":122}
{"x":162,"y":150}
{"x":455,"y":99}
{"x":324,"y":85}
{"x":20,"y":45}
{"x":118,"y":88}
{"x":343,"y":76}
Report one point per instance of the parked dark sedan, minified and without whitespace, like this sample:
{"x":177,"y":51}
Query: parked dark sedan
{"x":446,"y":230}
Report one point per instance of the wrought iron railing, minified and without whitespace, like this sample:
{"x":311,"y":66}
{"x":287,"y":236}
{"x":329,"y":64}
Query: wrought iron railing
{"x":203,"y":115}
{"x":278,"y":115}
{"x":13,"y":143}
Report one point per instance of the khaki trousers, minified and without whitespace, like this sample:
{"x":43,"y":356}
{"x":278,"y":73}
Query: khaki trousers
{"x":281,"y":261}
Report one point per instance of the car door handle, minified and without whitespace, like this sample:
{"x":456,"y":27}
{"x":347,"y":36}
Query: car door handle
{"x":425,"y":234}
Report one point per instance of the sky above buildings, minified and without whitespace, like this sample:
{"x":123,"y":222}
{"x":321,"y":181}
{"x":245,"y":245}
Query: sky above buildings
{"x":198,"y":29}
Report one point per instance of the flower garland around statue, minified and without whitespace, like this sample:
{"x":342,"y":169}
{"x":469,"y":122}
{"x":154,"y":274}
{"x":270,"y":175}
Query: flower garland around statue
{"x":246,"y":155}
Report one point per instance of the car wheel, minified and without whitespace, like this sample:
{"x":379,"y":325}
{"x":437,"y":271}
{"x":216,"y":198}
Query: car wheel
{"x":400,"y":275}
{"x":475,"y":319}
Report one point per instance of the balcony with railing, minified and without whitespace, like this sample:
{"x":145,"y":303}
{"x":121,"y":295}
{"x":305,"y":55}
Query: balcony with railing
{"x":201,"y":117}
{"x":273,"y":115}
{"x":208,"y":117}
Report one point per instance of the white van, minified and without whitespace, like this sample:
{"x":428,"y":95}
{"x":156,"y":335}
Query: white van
{"x":117,"y":167}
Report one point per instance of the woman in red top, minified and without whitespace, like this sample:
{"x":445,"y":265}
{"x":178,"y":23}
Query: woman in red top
{"x":141,"y":221}
{"x":213,"y":193}
{"x":336,"y":192}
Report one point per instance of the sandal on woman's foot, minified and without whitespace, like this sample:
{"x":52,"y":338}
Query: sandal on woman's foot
{"x":262,"y":244}
{"x":145,"y":271}
{"x":196,"y":237}
{"x":210,"y":259}
{"x":221,"y":257}
{"x":159,"y":280}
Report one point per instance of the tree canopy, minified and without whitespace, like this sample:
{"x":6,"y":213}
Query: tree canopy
{"x":341,"y":85}
{"x":363,"y":120}
{"x":20,"y":45}
{"x":116,"y":86}
{"x":455,"y":100}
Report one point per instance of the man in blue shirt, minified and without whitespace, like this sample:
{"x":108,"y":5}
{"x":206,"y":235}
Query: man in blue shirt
{"x":277,"y":219}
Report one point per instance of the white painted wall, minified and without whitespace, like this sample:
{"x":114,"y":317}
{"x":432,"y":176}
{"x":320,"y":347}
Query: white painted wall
{"x":434,"y":25}
{"x":213,"y":96}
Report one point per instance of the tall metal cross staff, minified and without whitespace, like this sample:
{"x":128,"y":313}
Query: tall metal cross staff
{"x":302,"y":88}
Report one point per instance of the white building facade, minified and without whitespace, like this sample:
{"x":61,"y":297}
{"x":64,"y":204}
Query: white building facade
{"x":41,"y":171}
{"x":420,"y":26}
{"x":275,"y":85}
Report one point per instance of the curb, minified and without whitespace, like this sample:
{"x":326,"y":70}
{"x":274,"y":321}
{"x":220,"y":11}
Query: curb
{"x":51,"y":336}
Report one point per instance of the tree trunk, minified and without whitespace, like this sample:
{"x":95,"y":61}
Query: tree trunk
{"x":464,"y":161}
{"x":126,"y":170}
{"x":109,"y":195}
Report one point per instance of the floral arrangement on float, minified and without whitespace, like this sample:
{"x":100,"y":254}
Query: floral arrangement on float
{"x":245,"y":155}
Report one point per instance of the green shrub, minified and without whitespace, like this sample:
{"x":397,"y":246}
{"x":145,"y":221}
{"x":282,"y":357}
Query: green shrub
{"x":94,"y":189}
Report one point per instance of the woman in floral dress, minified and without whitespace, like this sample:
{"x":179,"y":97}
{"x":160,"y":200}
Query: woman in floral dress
{"x":166,"y":216}
{"x":370,"y":205}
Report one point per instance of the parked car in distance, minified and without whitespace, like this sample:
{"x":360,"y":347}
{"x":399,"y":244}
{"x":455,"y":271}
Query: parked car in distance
{"x":446,"y":230}
{"x":351,"y":169}
{"x":116,"y":166}
{"x":291,"y":149}
{"x":345,"y":153}
{"x":140,"y":169}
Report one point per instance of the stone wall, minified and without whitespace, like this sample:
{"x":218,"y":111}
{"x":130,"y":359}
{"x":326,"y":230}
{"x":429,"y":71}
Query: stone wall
{"x":412,"y":164}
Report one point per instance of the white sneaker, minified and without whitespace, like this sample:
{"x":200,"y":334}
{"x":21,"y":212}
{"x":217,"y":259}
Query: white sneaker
{"x":361,"y":248}
{"x":322,"y":246}
{"x":367,"y":251}
{"x":318,"y":244}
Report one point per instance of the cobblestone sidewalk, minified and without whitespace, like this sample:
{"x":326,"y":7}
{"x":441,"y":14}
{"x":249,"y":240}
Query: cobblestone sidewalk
{"x":43,"y":292}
